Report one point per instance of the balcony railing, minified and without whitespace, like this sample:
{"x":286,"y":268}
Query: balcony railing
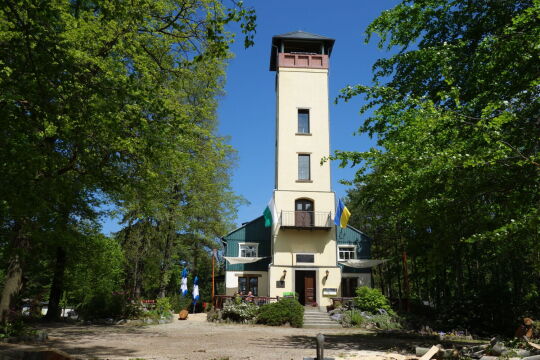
{"x":305,"y":220}
{"x":313,"y":61}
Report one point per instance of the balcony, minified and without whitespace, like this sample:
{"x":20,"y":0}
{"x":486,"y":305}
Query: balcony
{"x":306,"y":220}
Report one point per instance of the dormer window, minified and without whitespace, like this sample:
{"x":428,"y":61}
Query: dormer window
{"x":346,"y":252}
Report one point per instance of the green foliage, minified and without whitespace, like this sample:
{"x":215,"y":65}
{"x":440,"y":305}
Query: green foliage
{"x":237,"y":299}
{"x":369,"y":299}
{"x":242,"y":312}
{"x":15,"y":328}
{"x":101,"y":305}
{"x":454,"y":179}
{"x":356,"y":318}
{"x":133,"y":310}
{"x":94,"y":277}
{"x":286,"y":310}
{"x":179,"y":302}
{"x":385,"y":321}
{"x":163,"y":306}
{"x":113,"y":105}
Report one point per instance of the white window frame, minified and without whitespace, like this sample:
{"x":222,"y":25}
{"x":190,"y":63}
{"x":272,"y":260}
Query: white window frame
{"x":306,"y":177}
{"x":256,"y":245}
{"x":308,"y":132}
{"x":351,"y":248}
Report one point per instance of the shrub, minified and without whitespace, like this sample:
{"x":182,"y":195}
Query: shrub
{"x":385,"y":321}
{"x":240,"y":312}
{"x":352,"y":318}
{"x":356,"y":318}
{"x":15,"y":328}
{"x":368,"y":299}
{"x":102,"y":305}
{"x":284,"y":311}
{"x":179,"y":303}
{"x":133,"y":310}
{"x":163,"y":306}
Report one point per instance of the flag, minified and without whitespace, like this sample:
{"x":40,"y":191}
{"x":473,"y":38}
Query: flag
{"x":342,"y":215}
{"x":183,"y":286}
{"x":270,"y":213}
{"x":195,"y":289}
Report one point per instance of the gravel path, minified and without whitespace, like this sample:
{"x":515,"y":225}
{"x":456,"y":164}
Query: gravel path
{"x":197,"y":339}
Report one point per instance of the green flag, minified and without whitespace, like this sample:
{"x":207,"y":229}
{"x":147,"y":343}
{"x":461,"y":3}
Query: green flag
{"x":270,"y":213}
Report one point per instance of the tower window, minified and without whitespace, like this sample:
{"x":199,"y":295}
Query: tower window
{"x":303,"y":167}
{"x":303,"y":121}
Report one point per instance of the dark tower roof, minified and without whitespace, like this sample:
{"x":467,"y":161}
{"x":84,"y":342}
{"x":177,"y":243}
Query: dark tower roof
{"x":300,"y":36}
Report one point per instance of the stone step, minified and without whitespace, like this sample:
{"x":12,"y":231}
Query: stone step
{"x":315,"y":319}
{"x":322,"y":326}
{"x":330,"y":321}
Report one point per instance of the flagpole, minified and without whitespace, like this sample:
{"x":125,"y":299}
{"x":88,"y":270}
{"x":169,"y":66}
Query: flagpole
{"x":213,"y":278}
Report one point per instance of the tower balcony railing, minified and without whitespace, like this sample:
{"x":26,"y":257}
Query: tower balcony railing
{"x":310,"y":220}
{"x":303,"y":60}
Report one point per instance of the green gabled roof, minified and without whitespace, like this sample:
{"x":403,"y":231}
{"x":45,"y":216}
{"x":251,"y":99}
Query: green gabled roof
{"x":223,"y":238}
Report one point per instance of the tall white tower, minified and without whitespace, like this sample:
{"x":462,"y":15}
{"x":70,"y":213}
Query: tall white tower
{"x":304,"y":241}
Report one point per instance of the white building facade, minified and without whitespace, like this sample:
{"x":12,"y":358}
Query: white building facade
{"x":303,"y":252}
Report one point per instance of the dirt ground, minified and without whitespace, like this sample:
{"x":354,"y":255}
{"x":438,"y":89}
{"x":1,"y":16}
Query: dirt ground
{"x":197,"y":339}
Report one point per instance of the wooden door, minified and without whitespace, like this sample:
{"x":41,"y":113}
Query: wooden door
{"x":309,"y":287}
{"x":305,"y":286}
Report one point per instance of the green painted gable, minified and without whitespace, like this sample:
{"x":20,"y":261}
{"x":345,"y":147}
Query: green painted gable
{"x":253,"y":232}
{"x":352,"y":236}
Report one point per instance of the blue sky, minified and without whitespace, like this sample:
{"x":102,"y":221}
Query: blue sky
{"x":247,"y":110}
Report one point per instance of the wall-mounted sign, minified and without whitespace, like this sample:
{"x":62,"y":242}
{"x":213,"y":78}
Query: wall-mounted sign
{"x":329,"y":291}
{"x":305,"y":258}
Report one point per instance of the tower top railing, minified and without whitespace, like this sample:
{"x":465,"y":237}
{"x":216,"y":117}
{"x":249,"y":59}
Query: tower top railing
{"x":303,"y":60}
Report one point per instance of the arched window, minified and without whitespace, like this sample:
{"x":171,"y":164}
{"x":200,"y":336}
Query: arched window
{"x":303,"y":215}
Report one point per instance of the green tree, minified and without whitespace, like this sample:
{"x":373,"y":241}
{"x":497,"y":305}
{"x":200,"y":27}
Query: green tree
{"x":93,"y":103}
{"x":454,"y":179}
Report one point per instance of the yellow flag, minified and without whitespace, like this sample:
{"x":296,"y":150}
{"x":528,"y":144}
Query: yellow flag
{"x":345,"y":215}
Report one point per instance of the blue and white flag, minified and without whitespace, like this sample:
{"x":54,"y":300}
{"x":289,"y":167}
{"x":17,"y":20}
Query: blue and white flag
{"x":195,"y":289}
{"x":183,"y":285}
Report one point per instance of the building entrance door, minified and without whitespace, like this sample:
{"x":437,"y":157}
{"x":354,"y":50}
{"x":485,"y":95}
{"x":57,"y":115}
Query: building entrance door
{"x":305,"y":286}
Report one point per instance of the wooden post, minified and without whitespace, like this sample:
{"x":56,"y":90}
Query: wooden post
{"x":213,"y":278}
{"x":320,"y":346}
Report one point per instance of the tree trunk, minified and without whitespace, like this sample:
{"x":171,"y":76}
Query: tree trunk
{"x":166,"y":263}
{"x":57,"y":286}
{"x":13,"y":281}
